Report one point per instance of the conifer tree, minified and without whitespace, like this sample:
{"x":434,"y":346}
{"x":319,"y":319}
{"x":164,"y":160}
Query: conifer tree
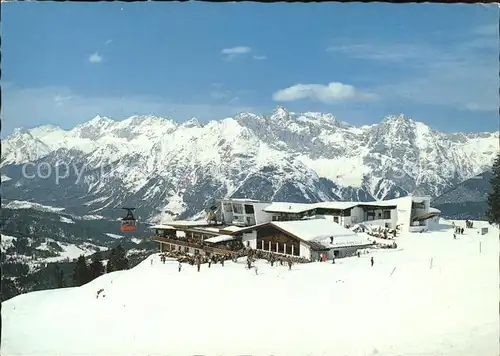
{"x":494,"y":195}
{"x":59,"y":276}
{"x":117,"y":260}
{"x":109,"y":267}
{"x":96,"y":267}
{"x":120,"y":259}
{"x":111,"y":259}
{"x":81,"y":274}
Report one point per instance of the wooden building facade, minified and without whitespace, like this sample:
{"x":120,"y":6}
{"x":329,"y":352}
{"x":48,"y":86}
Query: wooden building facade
{"x":269,"y":238}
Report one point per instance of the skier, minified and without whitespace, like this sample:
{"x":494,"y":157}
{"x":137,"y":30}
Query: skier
{"x":209,"y":263}
{"x":372,"y":261}
{"x":359,"y":254}
{"x":289,"y":264}
{"x":333,"y":260}
{"x":180,"y":266}
{"x":256,"y":270}
{"x":222,"y":261}
{"x":198,"y":264}
{"x":99,"y":292}
{"x":454,"y":236}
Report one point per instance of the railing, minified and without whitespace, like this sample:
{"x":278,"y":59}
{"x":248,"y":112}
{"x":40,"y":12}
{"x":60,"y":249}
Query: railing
{"x":198,"y":246}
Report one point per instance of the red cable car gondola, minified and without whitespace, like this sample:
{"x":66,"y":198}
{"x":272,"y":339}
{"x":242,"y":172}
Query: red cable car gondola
{"x":128,"y":222}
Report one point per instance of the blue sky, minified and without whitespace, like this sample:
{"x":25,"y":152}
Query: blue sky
{"x":64,"y":63}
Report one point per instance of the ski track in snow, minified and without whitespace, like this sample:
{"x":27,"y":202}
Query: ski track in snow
{"x":346,"y":308}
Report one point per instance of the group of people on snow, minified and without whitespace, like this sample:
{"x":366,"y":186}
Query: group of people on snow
{"x":274,"y":259}
{"x":459,"y":230}
{"x":252,"y":256}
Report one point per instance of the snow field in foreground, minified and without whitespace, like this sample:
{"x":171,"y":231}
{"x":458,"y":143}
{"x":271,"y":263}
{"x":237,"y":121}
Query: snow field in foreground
{"x":348,"y":308}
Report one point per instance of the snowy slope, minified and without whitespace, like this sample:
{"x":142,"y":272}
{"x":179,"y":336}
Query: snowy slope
{"x":170,"y":170}
{"x":348,"y":308}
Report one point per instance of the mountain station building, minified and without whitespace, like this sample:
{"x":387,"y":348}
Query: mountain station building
{"x":308,"y":230}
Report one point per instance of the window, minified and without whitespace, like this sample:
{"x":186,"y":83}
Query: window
{"x":336,"y":219}
{"x":228,"y":208}
{"x":237,"y":209}
{"x":415,"y":205}
{"x":249,"y":209}
{"x":387,"y":214}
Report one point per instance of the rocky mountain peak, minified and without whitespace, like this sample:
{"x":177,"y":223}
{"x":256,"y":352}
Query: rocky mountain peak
{"x":193,"y":122}
{"x":160,"y":165}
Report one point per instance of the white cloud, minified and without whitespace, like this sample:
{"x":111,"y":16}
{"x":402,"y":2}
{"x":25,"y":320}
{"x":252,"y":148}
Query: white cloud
{"x":95,"y":58}
{"x":461,"y":75}
{"x":486,"y":30}
{"x":60,"y":106}
{"x":218,"y":95}
{"x":231,"y":53}
{"x":384,"y":52}
{"x":259,"y":58}
{"x":236,"y":50}
{"x":59,"y":100}
{"x":333,"y":92}
{"x":217,"y":84}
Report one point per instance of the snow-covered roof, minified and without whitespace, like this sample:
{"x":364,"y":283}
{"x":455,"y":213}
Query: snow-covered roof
{"x":389,"y":202}
{"x":241,"y":200}
{"x":283,"y":207}
{"x":338,"y":205}
{"x":220,"y":238}
{"x":162,"y":227}
{"x":434,"y":210}
{"x":309,"y":230}
{"x":320,"y":230}
{"x":345,"y":241}
{"x":206,"y":229}
{"x":189,"y":223}
{"x":231,"y":228}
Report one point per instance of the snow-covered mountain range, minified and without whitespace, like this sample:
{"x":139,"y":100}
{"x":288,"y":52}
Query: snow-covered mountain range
{"x":169,"y":170}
